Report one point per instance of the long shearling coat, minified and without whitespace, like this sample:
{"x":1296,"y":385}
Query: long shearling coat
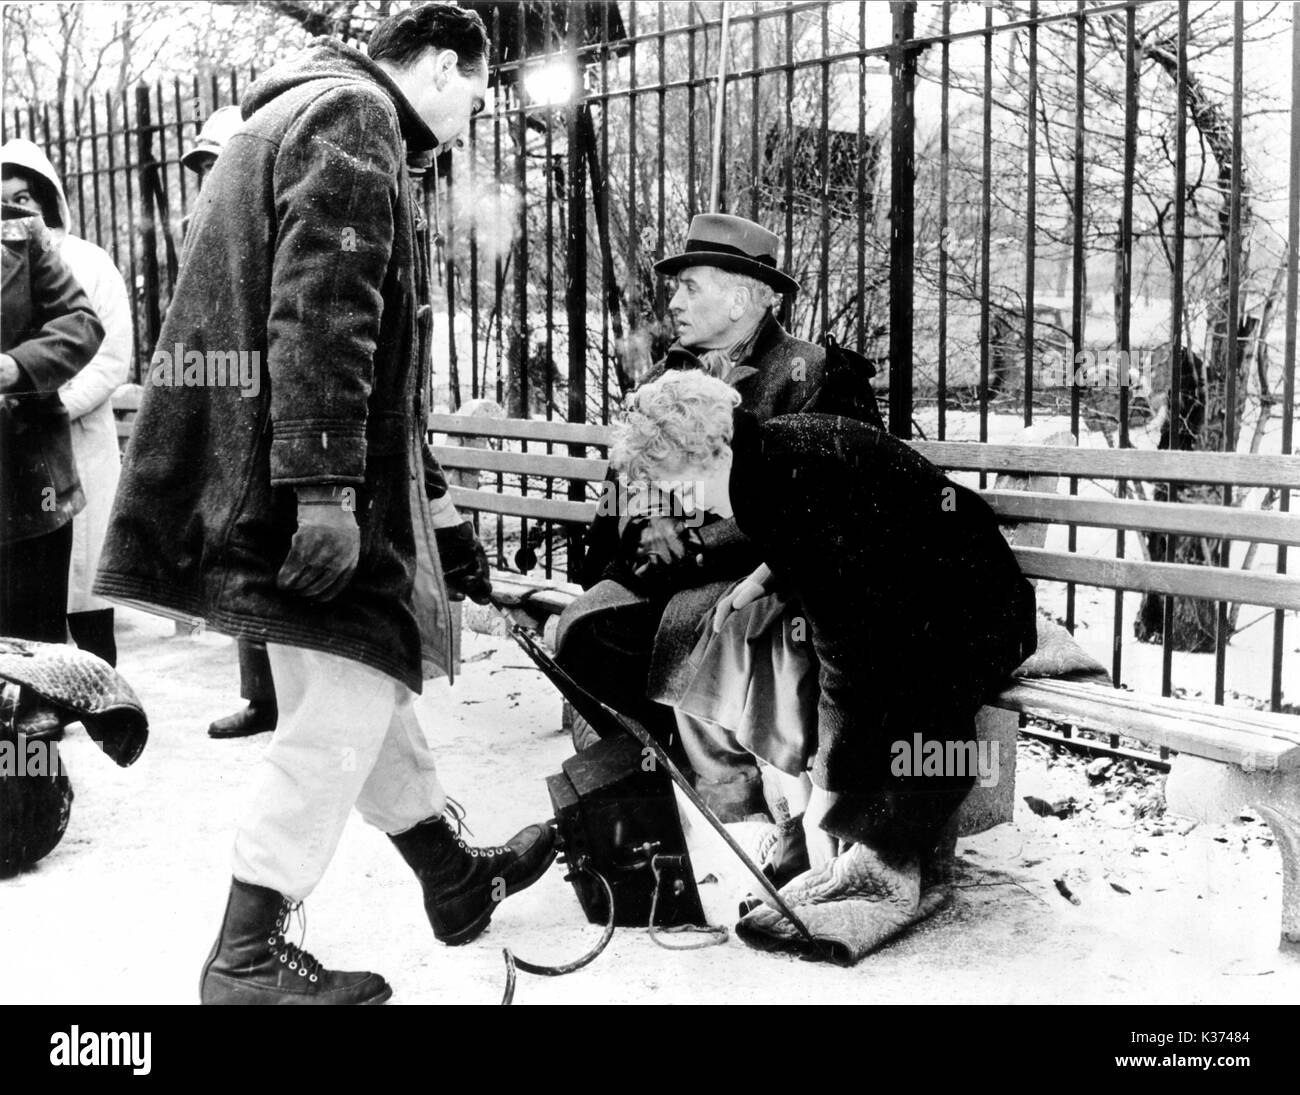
{"x":308,"y":250}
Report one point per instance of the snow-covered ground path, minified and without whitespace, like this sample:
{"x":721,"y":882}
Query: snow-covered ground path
{"x":125,"y":909}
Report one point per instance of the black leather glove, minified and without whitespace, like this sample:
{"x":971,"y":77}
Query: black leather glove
{"x":325,"y":550}
{"x":464,"y":563}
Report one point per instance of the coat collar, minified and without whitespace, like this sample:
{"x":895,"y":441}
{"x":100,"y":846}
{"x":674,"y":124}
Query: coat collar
{"x":770,"y":334}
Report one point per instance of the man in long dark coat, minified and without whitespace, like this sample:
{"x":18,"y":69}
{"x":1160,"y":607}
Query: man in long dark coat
{"x":295,"y":503}
{"x":650,"y":578}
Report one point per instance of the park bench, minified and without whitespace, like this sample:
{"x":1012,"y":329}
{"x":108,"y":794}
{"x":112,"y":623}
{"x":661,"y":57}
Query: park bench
{"x":1228,"y":759}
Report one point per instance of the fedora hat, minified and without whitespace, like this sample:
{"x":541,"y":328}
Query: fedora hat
{"x":731,"y":243}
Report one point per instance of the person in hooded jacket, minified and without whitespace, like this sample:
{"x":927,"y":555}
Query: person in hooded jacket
{"x":304,"y":509}
{"x":48,"y":332}
{"x":31,"y":181}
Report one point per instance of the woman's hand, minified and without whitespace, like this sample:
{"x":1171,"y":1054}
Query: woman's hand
{"x":749,"y":591}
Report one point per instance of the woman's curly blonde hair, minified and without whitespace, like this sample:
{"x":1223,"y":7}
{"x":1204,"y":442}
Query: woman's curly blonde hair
{"x":683,"y":418}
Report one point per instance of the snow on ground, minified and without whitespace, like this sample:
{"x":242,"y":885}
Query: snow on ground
{"x":125,"y":909}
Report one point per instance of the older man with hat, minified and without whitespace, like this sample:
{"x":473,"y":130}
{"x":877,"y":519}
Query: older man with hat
{"x":651,"y":576}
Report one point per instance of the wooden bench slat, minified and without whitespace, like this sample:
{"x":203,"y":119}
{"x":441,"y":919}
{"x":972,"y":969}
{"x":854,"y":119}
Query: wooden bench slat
{"x":1264,"y":723}
{"x":1179,"y":579}
{"x":1147,"y":465}
{"x":1225,"y":522}
{"x":534,"y":507}
{"x":572,"y":433}
{"x":1156,"y":727}
{"x":521,"y":463}
{"x":543,"y":593}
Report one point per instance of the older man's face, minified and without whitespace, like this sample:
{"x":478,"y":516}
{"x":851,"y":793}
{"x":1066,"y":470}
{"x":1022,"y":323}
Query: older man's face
{"x":702,"y":307}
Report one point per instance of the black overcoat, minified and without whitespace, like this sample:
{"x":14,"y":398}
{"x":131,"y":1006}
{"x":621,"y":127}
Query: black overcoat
{"x":916,"y":602}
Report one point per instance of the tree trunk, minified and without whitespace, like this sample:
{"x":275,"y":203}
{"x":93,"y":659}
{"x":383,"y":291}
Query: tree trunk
{"x":1206,"y":422}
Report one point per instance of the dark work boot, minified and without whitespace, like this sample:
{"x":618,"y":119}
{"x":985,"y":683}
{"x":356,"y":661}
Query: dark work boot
{"x":462,"y":884}
{"x":252,"y":962}
{"x":257,"y":718}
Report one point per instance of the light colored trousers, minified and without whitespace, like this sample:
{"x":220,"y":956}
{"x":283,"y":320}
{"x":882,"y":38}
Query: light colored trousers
{"x":347,"y":736}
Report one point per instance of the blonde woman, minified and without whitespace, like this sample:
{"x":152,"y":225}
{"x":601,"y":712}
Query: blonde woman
{"x":892,"y":581}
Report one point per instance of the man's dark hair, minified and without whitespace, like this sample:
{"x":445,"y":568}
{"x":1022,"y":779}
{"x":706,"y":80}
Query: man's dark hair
{"x":402,"y":38}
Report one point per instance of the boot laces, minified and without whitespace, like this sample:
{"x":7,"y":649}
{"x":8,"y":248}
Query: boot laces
{"x":454,"y":818}
{"x":292,"y":955}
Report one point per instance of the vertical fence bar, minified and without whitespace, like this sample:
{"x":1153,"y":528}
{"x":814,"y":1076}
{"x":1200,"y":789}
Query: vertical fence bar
{"x":945,"y":227}
{"x":1125,"y":297}
{"x":521,"y":340}
{"x":94,"y":176}
{"x":181,"y":187}
{"x":860,"y":312}
{"x":575,"y":296}
{"x":661,"y":297}
{"x":756,"y":59}
{"x":63,"y":150}
{"x":113,"y":221}
{"x":498,"y":266}
{"x":521,"y":242}
{"x":162,"y":193}
{"x":477,"y":385}
{"x":1176,"y":333}
{"x":81,"y":173}
{"x":1289,"y":362}
{"x":690,"y":111}
{"x":787,"y":164}
{"x":497,"y":330}
{"x":986,"y":226}
{"x":451,"y":270}
{"x":141,"y":329}
{"x":1031,"y":211}
{"x":1078,"y":273}
{"x":1232,"y":349}
{"x":824,"y":194}
{"x":902,"y":71}
{"x":609,"y":302}
{"x":549,"y":542}
{"x":633,"y":236}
